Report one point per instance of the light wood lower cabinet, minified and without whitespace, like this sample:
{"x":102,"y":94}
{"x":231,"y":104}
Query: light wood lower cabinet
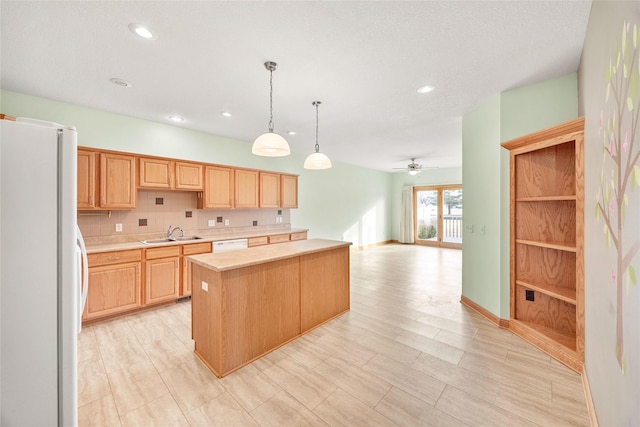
{"x":114,"y":283}
{"x":258,"y":241}
{"x":193,"y":249}
{"x":301,"y":235}
{"x":162,"y":274}
{"x":279,"y":238}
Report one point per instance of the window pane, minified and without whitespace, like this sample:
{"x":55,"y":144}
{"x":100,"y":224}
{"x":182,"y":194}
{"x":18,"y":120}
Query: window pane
{"x":427,"y":215}
{"x":452,"y":216}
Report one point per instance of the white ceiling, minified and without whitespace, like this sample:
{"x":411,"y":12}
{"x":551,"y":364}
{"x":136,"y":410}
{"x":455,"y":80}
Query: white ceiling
{"x":362,"y":60}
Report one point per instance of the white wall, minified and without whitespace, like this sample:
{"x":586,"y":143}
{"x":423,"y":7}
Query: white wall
{"x":610,"y":295}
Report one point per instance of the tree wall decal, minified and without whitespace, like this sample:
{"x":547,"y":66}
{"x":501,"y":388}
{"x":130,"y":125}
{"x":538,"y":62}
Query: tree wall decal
{"x":620,"y":173}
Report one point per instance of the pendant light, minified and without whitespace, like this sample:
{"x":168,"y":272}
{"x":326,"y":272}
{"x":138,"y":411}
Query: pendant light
{"x":270,"y":144}
{"x":317,"y":160}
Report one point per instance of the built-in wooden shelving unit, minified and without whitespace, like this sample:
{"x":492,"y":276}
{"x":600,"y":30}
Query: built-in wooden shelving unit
{"x":547,"y":227}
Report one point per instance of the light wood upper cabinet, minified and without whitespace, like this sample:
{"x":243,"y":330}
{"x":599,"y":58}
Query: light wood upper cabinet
{"x":188,"y":176}
{"x":156,"y":173}
{"x":117,"y":181}
{"x":218,"y":188}
{"x":288,"y":191}
{"x":246,"y":188}
{"x":547,"y":243}
{"x":269,"y":190}
{"x":86,"y":179}
{"x":169,"y":174}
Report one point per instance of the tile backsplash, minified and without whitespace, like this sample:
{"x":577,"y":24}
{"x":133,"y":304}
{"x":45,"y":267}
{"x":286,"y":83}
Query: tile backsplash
{"x":177,"y":209}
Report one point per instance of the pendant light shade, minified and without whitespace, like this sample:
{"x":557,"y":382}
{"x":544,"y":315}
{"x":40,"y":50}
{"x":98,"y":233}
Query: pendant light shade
{"x":317,"y":160}
{"x":270,"y":144}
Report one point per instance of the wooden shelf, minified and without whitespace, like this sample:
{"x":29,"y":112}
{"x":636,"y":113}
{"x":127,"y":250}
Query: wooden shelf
{"x":544,"y":332}
{"x":547,"y":240}
{"x":564,"y":294}
{"x":546,"y":198}
{"x":558,"y":246}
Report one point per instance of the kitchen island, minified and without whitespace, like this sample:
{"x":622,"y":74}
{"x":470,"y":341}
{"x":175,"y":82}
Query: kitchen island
{"x":247,"y":303}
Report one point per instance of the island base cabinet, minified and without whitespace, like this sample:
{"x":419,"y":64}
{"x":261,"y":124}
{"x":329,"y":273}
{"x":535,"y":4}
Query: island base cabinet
{"x":256,"y":309}
{"x":318,"y":301}
{"x":240,"y":314}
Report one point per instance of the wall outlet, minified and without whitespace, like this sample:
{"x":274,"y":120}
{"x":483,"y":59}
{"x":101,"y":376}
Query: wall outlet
{"x":226,"y":222}
{"x":529,"y":295}
{"x":118,"y":228}
{"x":211,"y":223}
{"x":205,"y":286}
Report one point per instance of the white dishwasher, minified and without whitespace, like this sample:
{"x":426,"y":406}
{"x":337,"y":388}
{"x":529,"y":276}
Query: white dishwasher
{"x":230,"y":245}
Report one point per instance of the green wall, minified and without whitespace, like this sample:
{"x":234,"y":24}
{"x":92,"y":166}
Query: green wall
{"x":345,"y":202}
{"x":485,"y":177}
{"x":481,"y":202}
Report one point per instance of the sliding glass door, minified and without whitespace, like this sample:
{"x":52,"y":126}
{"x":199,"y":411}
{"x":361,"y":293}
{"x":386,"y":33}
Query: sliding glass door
{"x":438,"y":216}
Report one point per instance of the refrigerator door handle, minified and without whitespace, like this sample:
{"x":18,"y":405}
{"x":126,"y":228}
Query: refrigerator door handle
{"x":84,"y":289}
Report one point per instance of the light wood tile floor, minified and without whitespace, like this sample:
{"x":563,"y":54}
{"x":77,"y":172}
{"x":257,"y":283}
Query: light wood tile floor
{"x":407,"y":354}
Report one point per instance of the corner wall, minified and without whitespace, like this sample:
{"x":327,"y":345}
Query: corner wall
{"x":485,"y":174}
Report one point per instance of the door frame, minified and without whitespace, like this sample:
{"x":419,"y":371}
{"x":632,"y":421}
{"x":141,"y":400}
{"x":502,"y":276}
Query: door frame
{"x":438,"y":242}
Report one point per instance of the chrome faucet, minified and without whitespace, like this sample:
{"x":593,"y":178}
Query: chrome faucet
{"x":170,"y":232}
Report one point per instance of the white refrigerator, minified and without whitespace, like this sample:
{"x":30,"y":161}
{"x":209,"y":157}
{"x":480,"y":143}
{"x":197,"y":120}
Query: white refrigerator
{"x":40,"y":271}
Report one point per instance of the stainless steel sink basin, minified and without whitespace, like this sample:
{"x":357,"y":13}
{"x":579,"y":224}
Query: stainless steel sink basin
{"x":166,"y":240}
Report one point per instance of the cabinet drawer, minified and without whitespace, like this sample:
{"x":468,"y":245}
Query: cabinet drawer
{"x":163,"y":252}
{"x":258,"y":241}
{"x":116,"y":257}
{"x":299,"y":236}
{"x":196,"y":248}
{"x":279,"y":238}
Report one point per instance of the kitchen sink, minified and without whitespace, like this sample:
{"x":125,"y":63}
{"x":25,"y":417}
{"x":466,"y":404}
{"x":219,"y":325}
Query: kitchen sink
{"x":167,"y":240}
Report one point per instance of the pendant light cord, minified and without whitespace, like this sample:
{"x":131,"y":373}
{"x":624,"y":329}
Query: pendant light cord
{"x":271,"y":101}
{"x":316,"y":103}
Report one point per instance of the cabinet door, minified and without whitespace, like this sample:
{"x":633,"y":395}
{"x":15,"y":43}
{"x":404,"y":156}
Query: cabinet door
{"x":269,"y":190}
{"x":188,"y":176}
{"x":162,"y":280}
{"x":156,"y":173}
{"x":218,"y":187}
{"x":86,"y":179}
{"x":289,"y":191}
{"x":117,"y":181}
{"x":246,"y":187}
{"x":112,"y":289}
{"x":193,"y":249}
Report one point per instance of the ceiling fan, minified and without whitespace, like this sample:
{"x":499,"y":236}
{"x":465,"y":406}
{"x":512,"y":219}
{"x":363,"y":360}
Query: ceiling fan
{"x":414,"y":168}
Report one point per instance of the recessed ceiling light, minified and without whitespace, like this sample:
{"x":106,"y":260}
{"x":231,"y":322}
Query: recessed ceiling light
{"x":426,"y":89}
{"x":291,"y":132}
{"x":226,"y":114}
{"x":120,"y":82}
{"x":142,"y":31}
{"x":176,"y":119}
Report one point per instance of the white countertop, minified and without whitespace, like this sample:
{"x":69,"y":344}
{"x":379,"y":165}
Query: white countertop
{"x":137,"y":244}
{"x":261,"y":254}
